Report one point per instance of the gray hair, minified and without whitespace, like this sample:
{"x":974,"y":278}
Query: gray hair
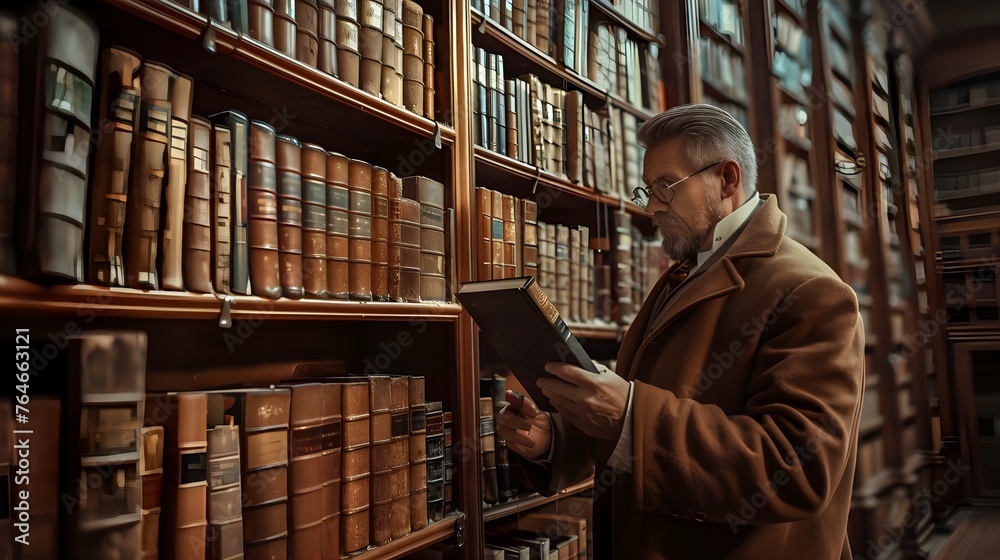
{"x":709,"y":134}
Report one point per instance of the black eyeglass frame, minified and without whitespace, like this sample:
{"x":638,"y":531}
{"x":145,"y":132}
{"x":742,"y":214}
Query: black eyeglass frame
{"x":641,"y":195}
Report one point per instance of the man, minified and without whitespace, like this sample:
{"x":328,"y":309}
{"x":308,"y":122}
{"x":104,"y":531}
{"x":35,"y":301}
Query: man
{"x":730,"y":429}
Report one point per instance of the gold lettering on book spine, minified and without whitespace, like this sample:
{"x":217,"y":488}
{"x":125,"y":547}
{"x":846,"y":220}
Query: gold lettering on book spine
{"x":542,"y":300}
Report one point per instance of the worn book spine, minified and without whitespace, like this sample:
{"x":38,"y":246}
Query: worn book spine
{"x":509,"y":237}
{"x":326,"y":57}
{"x":394,"y":278}
{"x":104,"y":397}
{"x":221,"y":208}
{"x":484,"y":229}
{"x":399,"y":453}
{"x":337,"y":226}
{"x":171,"y":237}
{"x":307,"y":471}
{"x":360,"y":228}
{"x":333,"y":442}
{"x":261,"y":21}
{"x":285,"y":28}
{"x":239,"y":131}
{"x":488,"y":446}
{"x":290,"y":249}
{"x":224,"y":538}
{"x":500,"y":101}
{"x":262,"y":212}
{"x":197,"y":258}
{"x":348,"y":55}
{"x":404,"y":249}
{"x":151,"y":475}
{"x":429,"y":101}
{"x":60,"y":65}
{"x":380,"y":234}
{"x":148,"y":177}
{"x":370,"y":35}
{"x":435,"y":461}
{"x":511,"y":113}
{"x":430,"y":194}
{"x":417,"y":448}
{"x":529,"y":237}
{"x":314,"y":215}
{"x":8,"y":145}
{"x":119,"y":104}
{"x":574,"y":136}
{"x":413,"y":57}
{"x":449,"y":463}
{"x":496,"y":234}
{"x":307,"y":32}
{"x":355,"y":467}
{"x":381,"y":458}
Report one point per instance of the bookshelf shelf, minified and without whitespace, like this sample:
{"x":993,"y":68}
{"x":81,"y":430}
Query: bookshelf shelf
{"x":712,"y":33}
{"x":432,"y":534}
{"x":614,"y":15}
{"x":181,"y":21}
{"x":19,"y":296}
{"x":966,"y":151}
{"x":527,"y":58}
{"x":720,"y":95}
{"x":964,"y":108}
{"x":532,"y":501}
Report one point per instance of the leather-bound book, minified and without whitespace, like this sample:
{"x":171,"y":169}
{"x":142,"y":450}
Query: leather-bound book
{"x":404,"y":250}
{"x":529,"y":237}
{"x":488,"y":445}
{"x":308,"y":470}
{"x":239,"y":132}
{"x":285,"y":28}
{"x":484,"y":233}
{"x":197,"y":261}
{"x":314,"y":211}
{"x":109,"y":187}
{"x":500,"y":100}
{"x":428,"y":27}
{"x":380,"y":234}
{"x":360,"y":242}
{"x":222,"y":215}
{"x":307,"y":29}
{"x":561,"y":296}
{"x":498,"y":387}
{"x":332,"y":461}
{"x":381,"y":458}
{"x":574,"y":135}
{"x":417,"y":454}
{"x":224,"y":539}
{"x":531,"y":21}
{"x":413,"y":57}
{"x":104,"y":397}
{"x":510,"y":92}
{"x":171,"y":239}
{"x":449,"y":464}
{"x":326,"y":57}
{"x":573,"y":311}
{"x":290,"y":216}
{"x":496,"y":234}
{"x":60,"y":65}
{"x":355,"y":466}
{"x":337,"y":226}
{"x":184,"y":511}
{"x":148,"y":177}
{"x":390,"y":66}
{"x":42,"y":486}
{"x":370,"y":16}
{"x":478,"y":102}
{"x":399,"y":453}
{"x":263,"y":418}
{"x":509,"y":237}
{"x":543,"y":29}
{"x":230,"y":13}
{"x":395,"y":187}
{"x":435,"y":461}
{"x":348,"y":55}
{"x":261,"y":18}
{"x":519,"y":17}
{"x":262,"y":211}
{"x":8,"y":144}
{"x":430,"y":194}
{"x":151,"y":475}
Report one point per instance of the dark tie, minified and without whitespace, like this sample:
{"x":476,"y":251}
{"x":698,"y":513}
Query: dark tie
{"x":676,"y":275}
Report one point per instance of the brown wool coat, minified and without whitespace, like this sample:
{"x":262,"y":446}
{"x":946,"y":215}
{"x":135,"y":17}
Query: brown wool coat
{"x":745,"y":413}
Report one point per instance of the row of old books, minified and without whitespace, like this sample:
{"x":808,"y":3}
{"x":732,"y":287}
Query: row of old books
{"x":383,"y":47}
{"x":314,"y":467}
{"x":792,"y":55}
{"x":558,"y":28}
{"x":972,"y":95}
{"x":724,"y":16}
{"x":179,"y":202}
{"x":539,"y":534}
{"x":497,"y":482}
{"x":637,"y":265}
{"x":512,"y":242}
{"x":643,"y":13}
{"x":723,"y":68}
{"x":621,"y":65}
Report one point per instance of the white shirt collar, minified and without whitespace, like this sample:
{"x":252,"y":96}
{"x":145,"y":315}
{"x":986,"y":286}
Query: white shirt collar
{"x":727,"y":226}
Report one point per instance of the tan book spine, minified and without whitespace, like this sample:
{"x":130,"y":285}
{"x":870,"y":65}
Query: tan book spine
{"x":380,"y":234}
{"x":326,"y":57}
{"x":197,"y":260}
{"x":428,"y":27}
{"x":225,"y":505}
{"x":399,"y":516}
{"x":417,"y":454}
{"x":509,"y":237}
{"x":337,"y":226}
{"x":496,"y":234}
{"x":307,"y":32}
{"x":356,"y":467}
{"x":360,"y":237}
{"x":261,"y":15}
{"x":484,"y":229}
{"x":119,"y":104}
{"x":347,"y":36}
{"x":262,"y":212}
{"x":379,"y":391}
{"x":289,"y":151}
{"x":151,"y":474}
{"x":314,"y":222}
{"x":171,"y":238}
{"x":221,"y":209}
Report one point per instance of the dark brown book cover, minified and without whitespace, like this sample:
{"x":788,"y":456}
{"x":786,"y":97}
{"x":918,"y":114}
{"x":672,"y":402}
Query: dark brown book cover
{"x":151,"y":475}
{"x":221,"y":209}
{"x":510,"y":256}
{"x":307,"y":30}
{"x":380,"y":234}
{"x":172,"y":236}
{"x":285,"y":28}
{"x":261,"y":13}
{"x":332,"y":420}
{"x":148,"y":177}
{"x":496,"y":234}
{"x":360,"y":228}
{"x":197,"y":260}
{"x":348,"y":56}
{"x":337,"y":226}
{"x":8,"y":143}
{"x":184,"y":509}
{"x":381,"y":458}
{"x":355,"y":465}
{"x":327,"y":49}
{"x":314,"y":226}
{"x":61,"y":67}
{"x":417,"y":477}
{"x":262,"y":212}
{"x":290,"y":216}
{"x":491,"y":494}
{"x":109,"y":187}
{"x":404,"y":250}
{"x":399,"y":516}
{"x":435,"y":461}
{"x":308,"y":468}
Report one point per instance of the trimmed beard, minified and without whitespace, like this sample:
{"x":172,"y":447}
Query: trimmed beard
{"x":685,"y":244}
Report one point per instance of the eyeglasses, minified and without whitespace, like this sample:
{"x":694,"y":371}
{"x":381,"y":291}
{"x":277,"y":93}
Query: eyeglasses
{"x":661,"y":190}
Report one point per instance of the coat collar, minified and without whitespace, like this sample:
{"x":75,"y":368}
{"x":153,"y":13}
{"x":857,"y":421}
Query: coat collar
{"x":760,"y":238}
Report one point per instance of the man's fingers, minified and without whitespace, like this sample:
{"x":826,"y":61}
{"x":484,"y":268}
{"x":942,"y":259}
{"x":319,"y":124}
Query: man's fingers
{"x":569,"y":373}
{"x":567,"y":391}
{"x":521,"y":404}
{"x":562,"y":404}
{"x":511,"y":435}
{"x":513,"y":419}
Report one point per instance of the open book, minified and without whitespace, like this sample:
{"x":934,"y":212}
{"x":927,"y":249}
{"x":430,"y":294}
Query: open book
{"x":524,"y":328}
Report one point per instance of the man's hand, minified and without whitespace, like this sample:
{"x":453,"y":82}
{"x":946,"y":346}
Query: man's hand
{"x":594,"y":403}
{"x":527,"y":431}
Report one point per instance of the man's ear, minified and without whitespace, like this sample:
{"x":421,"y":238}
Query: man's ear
{"x":731,"y":174}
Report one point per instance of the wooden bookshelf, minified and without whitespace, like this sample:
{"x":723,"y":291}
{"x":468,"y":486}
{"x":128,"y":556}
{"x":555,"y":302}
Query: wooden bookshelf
{"x":532,"y":501}
{"x":418,"y":540}
{"x":715,"y":35}
{"x":619,"y":18}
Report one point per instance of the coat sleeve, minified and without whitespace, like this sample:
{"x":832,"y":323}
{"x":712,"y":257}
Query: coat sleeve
{"x":572,"y":460}
{"x":791,"y":443}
